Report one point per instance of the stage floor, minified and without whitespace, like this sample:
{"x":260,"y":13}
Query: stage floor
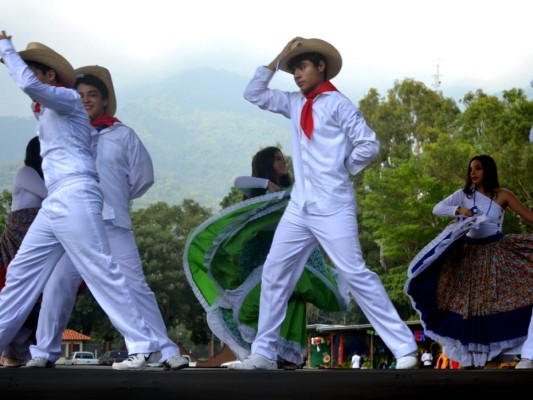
{"x":95,"y":382}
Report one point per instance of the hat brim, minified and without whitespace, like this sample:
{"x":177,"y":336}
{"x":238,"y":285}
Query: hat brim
{"x":330,"y":53}
{"x":46,"y":56}
{"x":105,"y":76}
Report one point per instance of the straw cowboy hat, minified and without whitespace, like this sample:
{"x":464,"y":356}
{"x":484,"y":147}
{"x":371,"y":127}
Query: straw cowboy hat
{"x":330,"y":53}
{"x":105,"y":76}
{"x":38,"y":52}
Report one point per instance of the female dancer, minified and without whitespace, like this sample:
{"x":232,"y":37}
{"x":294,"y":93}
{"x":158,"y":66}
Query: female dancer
{"x":472,"y":284}
{"x":29,"y":192}
{"x":269,"y":174}
{"x":224,"y":256}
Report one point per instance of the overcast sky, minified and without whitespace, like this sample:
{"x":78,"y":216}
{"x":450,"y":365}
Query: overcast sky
{"x":476,"y":44}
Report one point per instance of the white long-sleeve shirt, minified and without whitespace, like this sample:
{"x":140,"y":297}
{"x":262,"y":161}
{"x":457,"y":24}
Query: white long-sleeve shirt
{"x":63,"y":128}
{"x":125,"y":168}
{"x":29,"y":190}
{"x":341,"y":144}
{"x":246,"y":184}
{"x":485,"y":206}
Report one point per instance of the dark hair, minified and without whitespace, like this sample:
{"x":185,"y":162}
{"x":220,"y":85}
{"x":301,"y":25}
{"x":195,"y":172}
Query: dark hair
{"x":263,"y":167}
{"x":92,"y":80}
{"x":490,"y":175}
{"x":315,"y":58}
{"x":43,"y":68}
{"x":33,"y":155}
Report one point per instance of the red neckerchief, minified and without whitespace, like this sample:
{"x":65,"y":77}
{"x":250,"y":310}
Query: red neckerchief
{"x":104,"y":121}
{"x":306,"y":118}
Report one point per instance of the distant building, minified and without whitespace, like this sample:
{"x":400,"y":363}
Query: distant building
{"x":72,"y":341}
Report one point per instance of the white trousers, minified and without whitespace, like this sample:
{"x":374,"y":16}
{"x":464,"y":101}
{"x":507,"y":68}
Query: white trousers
{"x":60,"y":295}
{"x":70,"y":221}
{"x":296,"y":236}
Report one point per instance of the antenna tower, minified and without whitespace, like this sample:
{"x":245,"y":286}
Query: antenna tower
{"x":436,"y":79}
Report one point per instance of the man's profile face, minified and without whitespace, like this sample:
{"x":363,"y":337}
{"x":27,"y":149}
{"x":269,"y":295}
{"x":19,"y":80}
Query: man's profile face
{"x":307,"y":76}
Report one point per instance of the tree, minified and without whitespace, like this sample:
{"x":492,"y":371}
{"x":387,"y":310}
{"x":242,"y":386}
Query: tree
{"x":161,"y":232}
{"x":500,"y":128}
{"x":426,"y":144}
{"x":410,"y":116}
{"x":233,"y":197}
{"x":5,"y":207}
{"x":398,"y":229}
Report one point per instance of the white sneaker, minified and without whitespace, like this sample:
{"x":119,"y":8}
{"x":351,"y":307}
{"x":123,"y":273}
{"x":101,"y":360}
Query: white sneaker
{"x":525,"y":363}
{"x":175,"y":363}
{"x":40,"y":362}
{"x":255,"y":361}
{"x":134,"y":362}
{"x":407,"y":362}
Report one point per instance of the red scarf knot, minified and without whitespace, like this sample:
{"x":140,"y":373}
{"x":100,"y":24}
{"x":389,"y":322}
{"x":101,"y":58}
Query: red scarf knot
{"x":104,"y":121}
{"x":306,"y":118}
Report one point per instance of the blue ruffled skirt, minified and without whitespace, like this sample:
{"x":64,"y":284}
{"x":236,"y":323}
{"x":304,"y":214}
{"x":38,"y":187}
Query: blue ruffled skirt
{"x":474,"y":297}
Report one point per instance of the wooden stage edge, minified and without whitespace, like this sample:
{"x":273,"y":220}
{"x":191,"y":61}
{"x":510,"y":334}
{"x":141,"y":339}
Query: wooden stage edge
{"x":95,"y":382}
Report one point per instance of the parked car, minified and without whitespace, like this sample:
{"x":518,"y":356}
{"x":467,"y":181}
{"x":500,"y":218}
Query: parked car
{"x":111,"y":356}
{"x":82,"y":358}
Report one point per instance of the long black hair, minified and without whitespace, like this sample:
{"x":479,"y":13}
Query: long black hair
{"x":263,"y":167}
{"x":490,"y":175}
{"x":33,"y":155}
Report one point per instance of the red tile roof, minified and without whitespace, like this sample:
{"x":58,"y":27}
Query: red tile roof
{"x":70,"y":335}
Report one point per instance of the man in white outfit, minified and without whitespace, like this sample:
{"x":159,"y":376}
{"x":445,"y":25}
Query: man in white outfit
{"x":70,"y":219}
{"x":330,"y":140}
{"x":126,"y":173}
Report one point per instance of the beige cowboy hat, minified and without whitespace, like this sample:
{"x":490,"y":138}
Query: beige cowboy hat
{"x":105,"y":76}
{"x":38,"y":52}
{"x":330,"y":53}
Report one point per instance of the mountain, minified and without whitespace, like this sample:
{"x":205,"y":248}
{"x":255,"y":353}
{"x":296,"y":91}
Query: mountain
{"x":198,"y":128}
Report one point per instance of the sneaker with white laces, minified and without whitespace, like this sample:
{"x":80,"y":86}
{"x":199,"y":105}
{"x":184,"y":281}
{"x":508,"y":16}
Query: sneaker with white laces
{"x":408,"y":361}
{"x":255,"y":361}
{"x":134,"y":362}
{"x":525,"y":363}
{"x":175,"y":363}
{"x":40,"y":362}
